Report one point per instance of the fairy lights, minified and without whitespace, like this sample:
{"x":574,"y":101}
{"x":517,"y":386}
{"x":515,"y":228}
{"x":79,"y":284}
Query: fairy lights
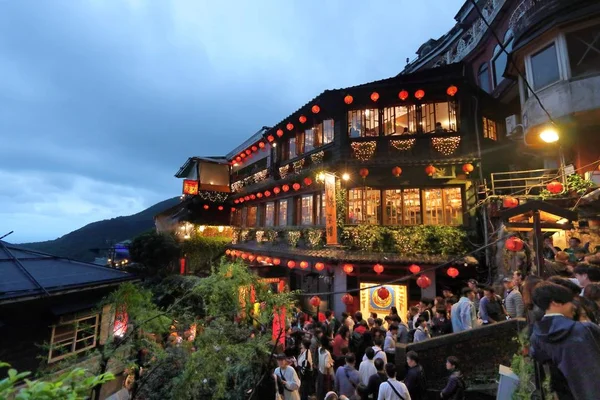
{"x":403,"y":144}
{"x":446,"y":145}
{"x":364,"y":150}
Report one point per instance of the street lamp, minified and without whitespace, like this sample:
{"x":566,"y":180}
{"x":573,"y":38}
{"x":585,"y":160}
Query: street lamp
{"x":549,"y":135}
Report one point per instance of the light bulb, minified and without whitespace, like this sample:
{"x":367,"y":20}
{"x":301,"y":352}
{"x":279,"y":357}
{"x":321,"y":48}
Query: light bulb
{"x":549,"y":135}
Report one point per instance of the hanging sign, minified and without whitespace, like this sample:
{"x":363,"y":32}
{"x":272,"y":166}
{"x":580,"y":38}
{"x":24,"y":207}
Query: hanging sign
{"x":330,"y":210}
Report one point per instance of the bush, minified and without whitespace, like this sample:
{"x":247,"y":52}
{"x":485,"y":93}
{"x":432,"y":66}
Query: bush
{"x":201,"y":251}
{"x":156,"y":252}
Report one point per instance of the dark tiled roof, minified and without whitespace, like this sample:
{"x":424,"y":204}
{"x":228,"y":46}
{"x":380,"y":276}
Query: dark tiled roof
{"x":27,"y":272}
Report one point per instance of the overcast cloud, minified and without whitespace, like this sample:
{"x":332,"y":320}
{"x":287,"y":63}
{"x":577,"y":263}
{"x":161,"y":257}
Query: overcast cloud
{"x":101,"y":101}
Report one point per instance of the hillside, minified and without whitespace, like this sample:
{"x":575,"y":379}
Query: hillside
{"x":80,"y":243}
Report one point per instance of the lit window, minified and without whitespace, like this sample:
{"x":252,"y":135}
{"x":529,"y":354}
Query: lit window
{"x":443,"y":206}
{"x":393,"y":207}
{"x":363,"y":206}
{"x":270,"y":214}
{"x":584,"y":51}
{"x":251,"y":221}
{"x":453,"y":209}
{"x":306,"y":210}
{"x":363,"y":123}
{"x":292,"y":148}
{"x":317,"y":132}
{"x":489,"y":129}
{"x":282,"y":216}
{"x":244,"y":216}
{"x":403,"y":207}
{"x":309,"y":140}
{"x":398,"y":120}
{"x":438,"y":117}
{"x":544,"y":67}
{"x":72,"y":336}
{"x":327,"y":131}
{"x":484,"y":77}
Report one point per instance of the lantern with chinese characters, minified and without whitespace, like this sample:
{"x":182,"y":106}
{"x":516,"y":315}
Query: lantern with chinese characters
{"x":396,"y":171}
{"x":315,"y":301}
{"x":374,"y":96}
{"x":206,"y":207}
{"x":276,"y":261}
{"x":276,"y":190}
{"x":452,"y":272}
{"x":190,"y":187}
{"x":363,"y":172}
{"x":296,"y":186}
{"x":303,"y":264}
{"x":514,"y":244}
{"x":302,"y":119}
{"x":319,"y":266}
{"x":555,"y":187}
{"x":289,"y":126}
{"x":419,"y":94}
{"x":259,"y":195}
{"x":414,"y":269}
{"x":348,"y":268}
{"x":451,"y":91}
{"x":244,"y":256}
{"x":271,"y":138}
{"x":378,"y":268}
{"x":267,"y":193}
{"x":285,"y":188}
{"x":423,"y":282}
{"x":261,"y":145}
{"x":220,"y":208}
{"x":348,"y":99}
{"x":430,"y":170}
{"x":251,"y":257}
{"x":467,"y":168}
{"x":315,"y":109}
{"x":307,"y":181}
{"x":280,"y":132}
{"x":383,"y":293}
{"x":403,"y":95}
{"x":348,"y":299}
{"x":510,"y":202}
{"x":291,"y":264}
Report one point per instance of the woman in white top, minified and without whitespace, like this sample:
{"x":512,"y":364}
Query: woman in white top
{"x":287,"y":379}
{"x":305,"y":365}
{"x":325,"y":377}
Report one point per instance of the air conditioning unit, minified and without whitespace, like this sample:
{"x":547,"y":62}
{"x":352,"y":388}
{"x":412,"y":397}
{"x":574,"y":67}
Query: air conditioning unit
{"x":512,"y":122}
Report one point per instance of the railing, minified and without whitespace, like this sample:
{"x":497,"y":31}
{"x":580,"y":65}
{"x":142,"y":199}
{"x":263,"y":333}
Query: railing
{"x":521,"y":183}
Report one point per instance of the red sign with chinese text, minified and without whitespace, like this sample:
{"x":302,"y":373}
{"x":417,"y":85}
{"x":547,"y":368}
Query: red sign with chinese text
{"x":190,"y":187}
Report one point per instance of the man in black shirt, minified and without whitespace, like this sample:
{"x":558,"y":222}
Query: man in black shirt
{"x":415,"y":377}
{"x":377,"y":379}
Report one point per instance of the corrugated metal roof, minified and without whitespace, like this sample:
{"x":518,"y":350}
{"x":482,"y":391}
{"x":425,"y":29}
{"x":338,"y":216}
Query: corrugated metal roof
{"x":27,"y":272}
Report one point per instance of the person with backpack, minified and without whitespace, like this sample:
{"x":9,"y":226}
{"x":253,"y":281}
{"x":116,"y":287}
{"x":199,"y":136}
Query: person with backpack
{"x":415,"y":377}
{"x":377,"y":348}
{"x":306,"y":370}
{"x":376,"y":379}
{"x":357,"y":339}
{"x":455,"y":388}
{"x":347,"y":378}
{"x":392,"y":389}
{"x":287,"y":381}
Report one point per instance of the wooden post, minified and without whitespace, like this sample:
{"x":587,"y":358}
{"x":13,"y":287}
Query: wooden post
{"x":538,"y":242}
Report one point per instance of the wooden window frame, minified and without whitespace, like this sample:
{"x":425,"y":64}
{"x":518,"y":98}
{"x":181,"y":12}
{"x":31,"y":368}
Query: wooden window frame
{"x":73,"y":338}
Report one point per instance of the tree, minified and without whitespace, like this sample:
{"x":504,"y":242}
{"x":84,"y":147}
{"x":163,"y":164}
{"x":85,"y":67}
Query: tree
{"x":157,"y":252}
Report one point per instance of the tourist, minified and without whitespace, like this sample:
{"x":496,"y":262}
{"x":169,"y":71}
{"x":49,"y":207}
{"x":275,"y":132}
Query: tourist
{"x":415,"y":377}
{"x":425,"y":310}
{"x":490,"y":307}
{"x":341,"y":341}
{"x":455,"y":388}
{"x":402,"y":332}
{"x":463,"y":315}
{"x":474,"y":286}
{"x":287,"y":380}
{"x":367,"y":367}
{"x":550,"y":251}
{"x":513,"y":301}
{"x":377,"y":348}
{"x":586,"y":274}
{"x":392,"y":389}
{"x":559,"y":266}
{"x":306,"y":367}
{"x":325,"y":377}
{"x":422,"y":332}
{"x":447,"y":292}
{"x":533,"y":312}
{"x":575,"y":250}
{"x":517,"y":278}
{"x":441,"y":323}
{"x":592,"y":293}
{"x":347,"y":378}
{"x":570,"y":346}
{"x":377,"y":379}
{"x":389,"y":345}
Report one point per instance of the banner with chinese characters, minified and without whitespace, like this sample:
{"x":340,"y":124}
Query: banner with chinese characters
{"x":371,"y":302}
{"x":330,"y":210}
{"x":190,"y":187}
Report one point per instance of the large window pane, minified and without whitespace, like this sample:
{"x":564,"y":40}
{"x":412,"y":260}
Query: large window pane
{"x":363,"y":206}
{"x":292,"y":148}
{"x":245,"y":216}
{"x":363,"y":123}
{"x":282,"y":217}
{"x":309,"y":140}
{"x":489,"y":129}
{"x":252,"y":216}
{"x":544,"y":67}
{"x":434,"y":214}
{"x":398,"y":120}
{"x":411,"y":201}
{"x":500,"y":60}
{"x":327,"y":131}
{"x":270,"y":214}
{"x":393,"y":207}
{"x":317,"y":134}
{"x":453,"y":206}
{"x":306,"y":210}
{"x":443,"y":117}
{"x":584,"y":51}
{"x":484,"y":77}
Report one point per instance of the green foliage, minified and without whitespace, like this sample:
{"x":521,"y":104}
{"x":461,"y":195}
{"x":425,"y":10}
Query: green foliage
{"x":177,"y":293}
{"x":293,"y":237}
{"x":313,"y":238}
{"x":576,"y":184}
{"x":341,"y":202}
{"x":363,"y":237}
{"x":159,"y":383}
{"x":200,"y":251}
{"x":157,"y":252}
{"x":73,"y":385}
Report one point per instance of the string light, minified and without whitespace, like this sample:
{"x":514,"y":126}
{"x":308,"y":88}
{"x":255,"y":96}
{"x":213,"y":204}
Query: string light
{"x":403,"y":144}
{"x":446,"y":145}
{"x":364,"y":150}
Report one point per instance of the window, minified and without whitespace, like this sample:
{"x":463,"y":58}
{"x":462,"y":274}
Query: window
{"x":292,"y":148}
{"x":317,"y":131}
{"x":237,"y":217}
{"x":583,"y":47}
{"x":438,"y":117}
{"x":483,"y":77}
{"x":306,"y":210}
{"x":403,"y":207}
{"x":320,"y":204}
{"x":398,"y":120}
{"x":327,"y":131}
{"x":244,"y":216}
{"x":72,"y":336}
{"x":282,"y":215}
{"x":270,"y":214}
{"x":489,"y":129}
{"x":443,"y":206}
{"x":500,"y":58}
{"x":251,"y":219}
{"x":393,"y":207}
{"x":453,"y":206}
{"x":363,"y":206}
{"x":544,"y":67}
{"x":363,"y":123}
{"x":309,"y":140}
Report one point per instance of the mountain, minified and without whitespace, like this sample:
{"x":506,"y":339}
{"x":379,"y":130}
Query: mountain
{"x":80,"y":244}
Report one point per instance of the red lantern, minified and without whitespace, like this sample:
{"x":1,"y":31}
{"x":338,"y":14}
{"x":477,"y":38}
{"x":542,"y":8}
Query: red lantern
{"x":248,"y":152}
{"x":236,"y":201}
{"x":247,"y":198}
{"x":315,"y":109}
{"x":252,"y":197}
{"x":452,"y":272}
{"x":238,"y":159}
{"x":285,"y":188}
{"x":383,"y":293}
{"x":315,"y":301}
{"x":467,"y":168}
{"x":319,"y":266}
{"x":271,"y":138}
{"x":364,"y":172}
{"x":276,"y":190}
{"x":259,"y":195}
{"x":242,"y":200}
{"x":510,"y":202}
{"x":244,"y":256}
{"x":254,"y":148}
{"x":260,"y":259}
{"x":267,"y":193}
{"x":348,"y":268}
{"x":206,"y":207}
{"x":514,"y":244}
{"x":220,"y":208}
{"x":276,"y":261}
{"x":378,"y":268}
{"x":296,"y":186}
{"x":268,"y":260}
{"x":374,"y":96}
{"x":303,"y":264}
{"x":403,"y":95}
{"x":307,"y":181}
{"x":261,"y":145}
{"x":348,"y":99}
{"x":414,"y":269}
{"x":423,"y":282}
{"x":289,"y":126}
{"x":227,"y":252}
{"x":396,"y":171}
{"x":291,"y":264}
{"x":279,"y":132}
{"x":251,"y":257}
{"x":347,"y":299}
{"x":302,"y":119}
{"x":451,"y":91}
{"x":430,"y":170}
{"x":232,"y":208}
{"x":555,"y":187}
{"x":243,"y":155}
{"x":419,"y":94}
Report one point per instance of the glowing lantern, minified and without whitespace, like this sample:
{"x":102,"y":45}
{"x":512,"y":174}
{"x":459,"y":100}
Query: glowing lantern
{"x":315,"y":109}
{"x":364,"y":172}
{"x":302,"y":119}
{"x":315,"y":301}
{"x":514,"y":244}
{"x":260,"y":259}
{"x":452,"y":272}
{"x":348,"y":99}
{"x":303,"y":264}
{"x":232,"y":208}
{"x":423,"y":282}
{"x":374,"y":96}
{"x":268,"y":260}
{"x":236,"y":201}
{"x":510,"y":202}
{"x":555,"y":187}
{"x":276,"y":190}
{"x":190,"y":186}
{"x":467,"y":168}
{"x":419,"y":94}
{"x":244,"y":256}
{"x":285,"y":188}
{"x":276,"y":261}
{"x":254,"y":148}
{"x":243,"y":155}
{"x":247,"y":198}
{"x":348,"y":268}
{"x":383,"y":293}
{"x":307,"y":181}
{"x":242,"y":200}
{"x":252,"y":197}
{"x":451,"y":91}
{"x":251,"y":257}
{"x":220,"y":208}
{"x":430,"y":170}
{"x":261,"y":145}
{"x":319,"y":266}
{"x":347,"y":299}
{"x":414,"y":269}
{"x":296,"y":186}
{"x":267,"y":193}
{"x":238,"y":159}
{"x":280,"y":132}
{"x":227,"y":252}
{"x":291,"y":264}
{"x":271,"y":138}
{"x":289,"y":126}
{"x":396,"y":171}
{"x":403,"y":95}
{"x":206,"y":207}
{"x":259,"y":195}
{"x":378,"y":268}
{"x":248,"y":152}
